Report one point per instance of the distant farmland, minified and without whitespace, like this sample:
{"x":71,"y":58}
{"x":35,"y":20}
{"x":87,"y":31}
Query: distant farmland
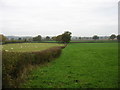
{"x":81,"y":65}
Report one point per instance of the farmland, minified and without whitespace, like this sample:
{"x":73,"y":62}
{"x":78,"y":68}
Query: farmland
{"x":18,"y":59}
{"x":28,"y":47}
{"x":81,"y":65}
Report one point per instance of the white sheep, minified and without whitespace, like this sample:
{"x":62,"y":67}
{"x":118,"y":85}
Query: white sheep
{"x":6,"y":50}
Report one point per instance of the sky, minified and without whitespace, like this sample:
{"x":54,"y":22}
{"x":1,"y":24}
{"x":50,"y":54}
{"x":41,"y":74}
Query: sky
{"x":53,"y":17}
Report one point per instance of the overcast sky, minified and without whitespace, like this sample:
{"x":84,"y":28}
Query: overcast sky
{"x":53,"y":17}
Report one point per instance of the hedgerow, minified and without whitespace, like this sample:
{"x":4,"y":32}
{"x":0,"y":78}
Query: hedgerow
{"x":15,"y":63}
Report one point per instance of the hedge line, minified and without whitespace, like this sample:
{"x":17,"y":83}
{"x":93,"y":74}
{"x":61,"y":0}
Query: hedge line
{"x":15,"y":63}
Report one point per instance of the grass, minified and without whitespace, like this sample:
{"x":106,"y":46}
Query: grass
{"x":96,"y":41}
{"x":85,"y":41}
{"x":28,"y":47}
{"x":81,"y":65}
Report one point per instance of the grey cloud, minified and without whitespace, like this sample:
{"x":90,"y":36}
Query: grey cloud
{"x":51,"y":17}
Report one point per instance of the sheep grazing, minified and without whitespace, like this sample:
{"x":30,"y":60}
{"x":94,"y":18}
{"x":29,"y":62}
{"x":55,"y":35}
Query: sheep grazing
{"x":6,"y":50}
{"x":11,"y":48}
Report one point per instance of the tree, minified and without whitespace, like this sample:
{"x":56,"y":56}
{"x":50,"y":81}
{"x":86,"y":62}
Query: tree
{"x":59,"y":38}
{"x":118,"y":37}
{"x":95,"y":37}
{"x":80,"y":38}
{"x":47,"y":38}
{"x":2,"y":38}
{"x":37,"y":38}
{"x":54,"y":38}
{"x":64,"y":38}
{"x":19,"y":38}
{"x":113,"y":36}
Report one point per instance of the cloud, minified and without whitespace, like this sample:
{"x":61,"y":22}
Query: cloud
{"x":51,"y":17}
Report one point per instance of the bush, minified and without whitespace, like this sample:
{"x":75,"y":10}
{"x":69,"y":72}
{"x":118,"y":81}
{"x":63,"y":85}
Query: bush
{"x":14,"y":64}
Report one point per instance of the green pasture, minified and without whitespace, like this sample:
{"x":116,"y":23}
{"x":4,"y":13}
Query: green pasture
{"x":28,"y":47}
{"x":96,"y":41}
{"x":81,"y":65}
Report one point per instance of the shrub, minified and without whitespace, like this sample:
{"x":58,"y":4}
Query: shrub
{"x":14,"y":63}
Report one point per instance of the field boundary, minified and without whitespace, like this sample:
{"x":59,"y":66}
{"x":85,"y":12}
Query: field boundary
{"x":17,"y":64}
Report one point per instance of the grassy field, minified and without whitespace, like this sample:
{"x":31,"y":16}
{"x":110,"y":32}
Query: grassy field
{"x":27,"y":47}
{"x":81,"y":65}
{"x":96,"y":41}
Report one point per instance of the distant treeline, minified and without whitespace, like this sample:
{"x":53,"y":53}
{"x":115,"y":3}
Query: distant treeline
{"x":63,"y":38}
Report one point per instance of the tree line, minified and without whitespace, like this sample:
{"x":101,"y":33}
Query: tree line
{"x":62,"y":38}
{"x":112,"y":37}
